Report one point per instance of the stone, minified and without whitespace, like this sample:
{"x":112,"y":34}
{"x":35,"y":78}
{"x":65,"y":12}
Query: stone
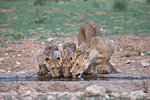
{"x":1,"y":59}
{"x":124,"y":94}
{"x":19,"y":55}
{"x":50,"y":39}
{"x":145,"y":62}
{"x":116,"y":95}
{"x":142,"y":54}
{"x":148,"y":53}
{"x":73,"y":97}
{"x":2,"y":71}
{"x":119,"y":71}
{"x":79,"y":94}
{"x":13,"y":56}
{"x":51,"y":97}
{"x":137,"y":94}
{"x":129,"y":61}
{"x":96,"y":90}
{"x":20,"y":73}
{"x":28,"y":98}
{"x":18,"y":63}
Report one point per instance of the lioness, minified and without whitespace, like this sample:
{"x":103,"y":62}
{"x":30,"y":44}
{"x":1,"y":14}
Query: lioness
{"x":44,"y":57}
{"x":95,"y":50}
{"x":87,"y":30}
{"x":68,"y":57}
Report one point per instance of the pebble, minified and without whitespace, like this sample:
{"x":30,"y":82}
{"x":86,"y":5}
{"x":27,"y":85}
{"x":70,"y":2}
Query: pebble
{"x":50,"y":39}
{"x":148,"y":53}
{"x":137,"y":94}
{"x":116,"y":95}
{"x":6,"y":53}
{"x":20,"y":72}
{"x":96,"y":90}
{"x":2,"y":71}
{"x":18,"y":63}
{"x":19,"y":55}
{"x":129,"y":61}
{"x":51,"y":97}
{"x":1,"y":59}
{"x":13,"y":56}
{"x":145,"y":62}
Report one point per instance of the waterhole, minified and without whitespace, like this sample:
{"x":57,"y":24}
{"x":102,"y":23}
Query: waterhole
{"x":8,"y":78}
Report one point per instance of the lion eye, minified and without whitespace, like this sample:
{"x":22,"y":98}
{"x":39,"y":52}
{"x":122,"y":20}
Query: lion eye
{"x":46,"y":59}
{"x":71,"y":58}
{"x":58,"y":58}
{"x":77,"y":64}
{"x":52,"y":68}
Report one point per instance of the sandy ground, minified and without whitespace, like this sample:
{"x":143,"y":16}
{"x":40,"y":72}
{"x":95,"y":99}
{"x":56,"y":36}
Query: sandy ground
{"x":20,"y":59}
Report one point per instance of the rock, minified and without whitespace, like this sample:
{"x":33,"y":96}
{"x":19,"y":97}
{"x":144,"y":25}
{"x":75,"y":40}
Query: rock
{"x":28,"y":98}
{"x":60,"y":45}
{"x":124,"y":94}
{"x":145,"y":62}
{"x":116,"y":95}
{"x":1,"y":59}
{"x":79,"y":94}
{"x":2,"y":71}
{"x":119,"y":71}
{"x":73,"y":97}
{"x":96,"y":90}
{"x":19,"y":55}
{"x":51,"y":97}
{"x":13,"y":56}
{"x":137,"y":94}
{"x":50,"y":39}
{"x":142,"y":54}
{"x":120,"y":49}
{"x":6,"y":53}
{"x":18,"y":63}
{"x":20,"y":72}
{"x":113,"y":64}
{"x":129,"y":61}
{"x":148,"y":53}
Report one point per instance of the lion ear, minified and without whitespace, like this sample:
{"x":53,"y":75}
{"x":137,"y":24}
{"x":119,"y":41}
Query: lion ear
{"x":78,"y":52}
{"x":87,"y":55}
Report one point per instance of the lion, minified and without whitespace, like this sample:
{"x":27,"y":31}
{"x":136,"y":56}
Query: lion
{"x":87,"y":30}
{"x":97,"y":51}
{"x":44,"y":58}
{"x":68,"y":58}
{"x":53,"y":62}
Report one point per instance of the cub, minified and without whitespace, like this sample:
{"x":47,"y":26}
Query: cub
{"x":44,"y":57}
{"x":68,"y":57}
{"x":95,"y":51}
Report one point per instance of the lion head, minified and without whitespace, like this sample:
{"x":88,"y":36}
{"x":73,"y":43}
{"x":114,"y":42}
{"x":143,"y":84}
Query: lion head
{"x":68,"y":58}
{"x":80,"y":64}
{"x":53,"y":61}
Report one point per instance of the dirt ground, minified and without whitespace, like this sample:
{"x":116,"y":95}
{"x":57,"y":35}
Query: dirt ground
{"x":20,"y":59}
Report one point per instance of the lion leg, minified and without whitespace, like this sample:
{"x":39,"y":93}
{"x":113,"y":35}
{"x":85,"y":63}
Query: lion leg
{"x":112,"y":68}
{"x":42,"y":70}
{"x":105,"y":68}
{"x":89,"y":71}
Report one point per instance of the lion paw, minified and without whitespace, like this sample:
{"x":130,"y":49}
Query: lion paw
{"x":104,"y":71}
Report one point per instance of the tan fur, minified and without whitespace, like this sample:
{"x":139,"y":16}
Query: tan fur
{"x":87,"y":30}
{"x":44,"y":58}
{"x":94,"y":51}
{"x":68,"y":57}
{"x":53,"y":63}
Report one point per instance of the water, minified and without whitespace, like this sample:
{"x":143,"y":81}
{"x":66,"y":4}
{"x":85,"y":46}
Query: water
{"x":9,"y":78}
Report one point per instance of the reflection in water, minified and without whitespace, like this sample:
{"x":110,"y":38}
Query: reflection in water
{"x":8,"y":78}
